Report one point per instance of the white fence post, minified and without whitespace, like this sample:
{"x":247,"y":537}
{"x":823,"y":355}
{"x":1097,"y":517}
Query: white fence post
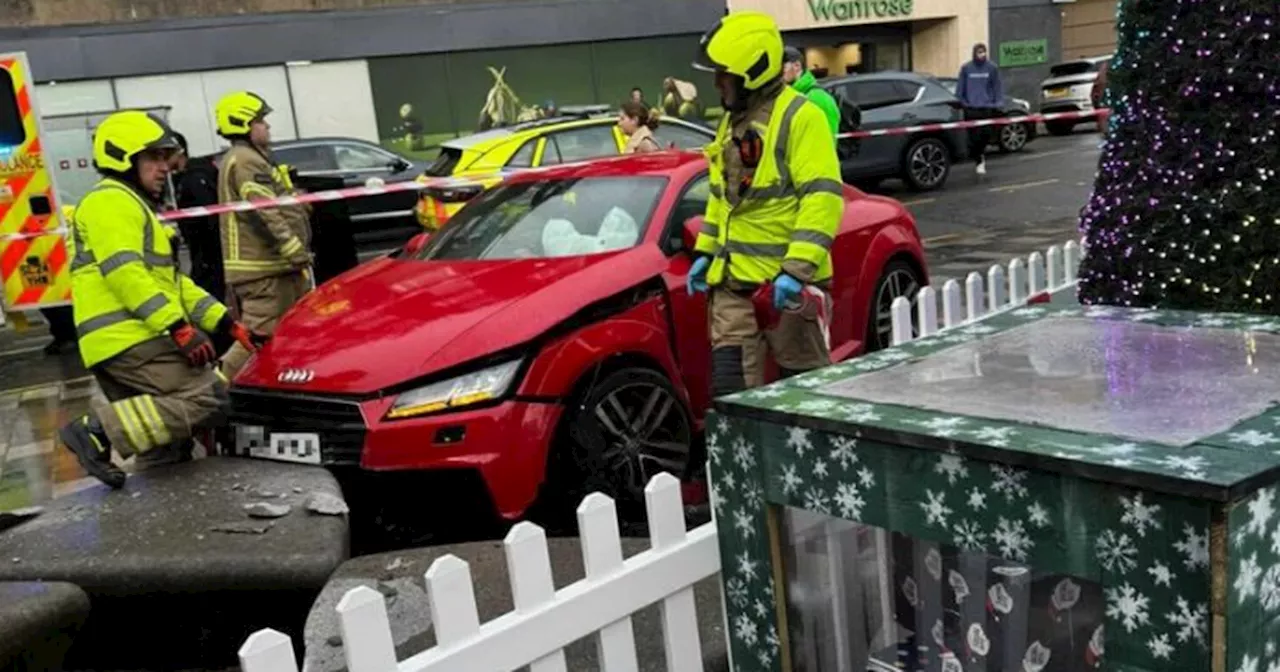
{"x":268,"y":650}
{"x":900,"y":318}
{"x":1017,"y":282}
{"x":1035,"y":274}
{"x":452,"y":600}
{"x":1053,"y":260}
{"x":951,"y":307}
{"x":602,"y":556}
{"x":366,"y":632}
{"x":995,"y":285}
{"x":973,"y":296}
{"x":529,"y":566}
{"x":1071,"y":260}
{"x":927,"y":311}
{"x":665,"y":511}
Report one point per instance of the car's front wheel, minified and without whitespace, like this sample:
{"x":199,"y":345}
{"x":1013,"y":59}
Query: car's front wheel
{"x":926,"y":164}
{"x":619,"y":432}
{"x":897,"y":279}
{"x":1013,"y":137}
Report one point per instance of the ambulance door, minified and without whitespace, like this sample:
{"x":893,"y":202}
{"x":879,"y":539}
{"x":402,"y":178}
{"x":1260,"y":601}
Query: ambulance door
{"x":35,"y":270}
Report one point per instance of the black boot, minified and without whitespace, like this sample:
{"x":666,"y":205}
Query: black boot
{"x":85,"y":437}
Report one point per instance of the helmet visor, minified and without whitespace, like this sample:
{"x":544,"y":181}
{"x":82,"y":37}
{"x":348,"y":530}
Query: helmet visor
{"x":702,"y":61}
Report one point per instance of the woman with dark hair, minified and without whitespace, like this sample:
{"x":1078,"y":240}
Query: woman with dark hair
{"x":638,"y":123}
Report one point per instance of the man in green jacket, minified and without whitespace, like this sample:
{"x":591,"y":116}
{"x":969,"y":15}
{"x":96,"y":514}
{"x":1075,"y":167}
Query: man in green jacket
{"x":803,"y":81}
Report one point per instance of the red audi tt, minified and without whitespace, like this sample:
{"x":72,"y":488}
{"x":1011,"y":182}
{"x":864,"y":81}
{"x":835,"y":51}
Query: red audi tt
{"x":542,"y":341}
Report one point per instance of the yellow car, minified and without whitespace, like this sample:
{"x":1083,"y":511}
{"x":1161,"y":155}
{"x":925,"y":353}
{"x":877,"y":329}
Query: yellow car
{"x":575,"y":134}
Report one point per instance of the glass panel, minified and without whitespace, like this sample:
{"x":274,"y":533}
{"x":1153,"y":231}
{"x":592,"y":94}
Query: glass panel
{"x":355,"y":157}
{"x":523,"y":158}
{"x":1130,"y":379}
{"x":863,"y":598}
{"x":306,"y":157}
{"x":12,"y":132}
{"x":583,"y":143}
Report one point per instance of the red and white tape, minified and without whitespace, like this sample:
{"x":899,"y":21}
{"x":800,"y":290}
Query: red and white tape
{"x":952,"y":125}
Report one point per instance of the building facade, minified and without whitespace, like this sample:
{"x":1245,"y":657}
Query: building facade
{"x":1026,"y":40}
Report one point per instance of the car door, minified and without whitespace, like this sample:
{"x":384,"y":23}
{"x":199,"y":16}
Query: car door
{"x":885,"y":103}
{"x":385,"y":218}
{"x":688,"y":313}
{"x":308,"y":158}
{"x":580,"y":144}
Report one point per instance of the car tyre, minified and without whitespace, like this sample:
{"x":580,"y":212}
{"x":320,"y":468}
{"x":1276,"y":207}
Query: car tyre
{"x":616,"y":434}
{"x":898,"y":278}
{"x":1060,"y":128}
{"x":1013,"y":137}
{"x":926,"y":164}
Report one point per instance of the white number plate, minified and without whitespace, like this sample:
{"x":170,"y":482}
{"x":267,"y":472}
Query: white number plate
{"x":298,"y":447}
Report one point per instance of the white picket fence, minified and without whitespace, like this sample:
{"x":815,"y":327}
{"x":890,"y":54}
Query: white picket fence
{"x":546,"y":620}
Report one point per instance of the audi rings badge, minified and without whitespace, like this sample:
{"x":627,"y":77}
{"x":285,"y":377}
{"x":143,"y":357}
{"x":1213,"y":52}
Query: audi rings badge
{"x":296,"y":376}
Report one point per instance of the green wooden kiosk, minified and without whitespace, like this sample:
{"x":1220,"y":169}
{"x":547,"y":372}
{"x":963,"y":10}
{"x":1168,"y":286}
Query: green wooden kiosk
{"x":1053,"y":489}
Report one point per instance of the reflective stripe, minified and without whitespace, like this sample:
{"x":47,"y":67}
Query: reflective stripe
{"x":710,"y":229}
{"x":253,"y":188}
{"x":291,"y":247}
{"x":118,"y":260}
{"x":812,"y":237}
{"x":154,"y":260}
{"x":202,"y":308}
{"x":783,"y":187}
{"x":83,"y":257}
{"x":102,"y":322}
{"x":152,"y":305}
{"x":776,"y":251}
{"x":147,"y":408}
{"x":249,"y":265}
{"x":820,"y":186}
{"x":717,"y":191}
{"x":132,"y":425}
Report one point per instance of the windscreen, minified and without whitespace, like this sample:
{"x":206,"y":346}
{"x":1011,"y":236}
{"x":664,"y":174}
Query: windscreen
{"x":445,"y":162}
{"x":548,"y":219}
{"x":1072,"y":68}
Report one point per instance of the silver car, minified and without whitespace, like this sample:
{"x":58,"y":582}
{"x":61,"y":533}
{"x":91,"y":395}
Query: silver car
{"x":1068,"y":89}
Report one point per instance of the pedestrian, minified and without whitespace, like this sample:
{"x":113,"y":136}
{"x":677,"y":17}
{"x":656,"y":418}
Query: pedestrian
{"x":147,"y":332}
{"x":637,"y":96}
{"x":196,"y":185}
{"x":638,"y":124}
{"x":802,"y":80}
{"x":265,"y":252}
{"x":980,"y":91}
{"x":774,"y":207}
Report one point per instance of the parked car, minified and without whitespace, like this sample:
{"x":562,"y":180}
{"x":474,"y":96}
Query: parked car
{"x":383,"y":222}
{"x":576,"y":133}
{"x":1069,"y":88}
{"x":1012,"y":137}
{"x":543,"y":339}
{"x":893,"y":100}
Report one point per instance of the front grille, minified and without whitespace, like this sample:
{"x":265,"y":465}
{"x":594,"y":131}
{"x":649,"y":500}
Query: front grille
{"x":339,"y":423}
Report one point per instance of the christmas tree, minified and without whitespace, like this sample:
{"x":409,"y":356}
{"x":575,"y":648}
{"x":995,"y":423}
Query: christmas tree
{"x":1185,"y":210}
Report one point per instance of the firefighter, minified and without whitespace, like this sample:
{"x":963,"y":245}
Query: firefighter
{"x":148,"y":333}
{"x":264,"y":252}
{"x":776,"y":202}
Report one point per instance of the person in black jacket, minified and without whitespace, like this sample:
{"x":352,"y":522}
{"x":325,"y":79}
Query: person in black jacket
{"x":196,"y":184}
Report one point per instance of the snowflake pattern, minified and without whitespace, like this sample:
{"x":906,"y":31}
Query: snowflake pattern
{"x":842,"y":451}
{"x":1139,"y":515}
{"x":1191,"y":620}
{"x":1009,"y":482}
{"x":849,"y":501}
{"x":1128,"y":605}
{"x":1011,"y":538}
{"x":1116,"y":551}
{"x":935,"y":509}
{"x":1194,"y":546}
{"x":952,"y":466}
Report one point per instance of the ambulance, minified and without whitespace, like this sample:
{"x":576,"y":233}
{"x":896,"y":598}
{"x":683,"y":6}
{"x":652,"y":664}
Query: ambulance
{"x":35,"y":270}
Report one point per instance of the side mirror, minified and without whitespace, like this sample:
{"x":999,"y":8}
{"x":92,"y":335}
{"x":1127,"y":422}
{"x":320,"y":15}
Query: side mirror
{"x":689,"y":236}
{"x":398,"y":165}
{"x":416,"y":243}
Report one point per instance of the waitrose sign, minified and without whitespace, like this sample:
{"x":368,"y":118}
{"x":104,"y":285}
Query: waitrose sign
{"x":856,"y":10}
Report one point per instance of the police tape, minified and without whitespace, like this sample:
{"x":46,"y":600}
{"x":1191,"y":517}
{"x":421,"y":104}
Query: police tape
{"x":454,"y":182}
{"x":974,"y":123}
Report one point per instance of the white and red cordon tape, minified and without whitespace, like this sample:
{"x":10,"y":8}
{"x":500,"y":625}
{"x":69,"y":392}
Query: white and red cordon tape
{"x":447,"y":182}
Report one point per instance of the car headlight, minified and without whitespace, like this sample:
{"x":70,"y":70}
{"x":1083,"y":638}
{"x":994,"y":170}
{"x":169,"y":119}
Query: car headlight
{"x":465,"y":390}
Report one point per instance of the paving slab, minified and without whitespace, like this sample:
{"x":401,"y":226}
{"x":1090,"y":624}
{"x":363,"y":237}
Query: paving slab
{"x":38,"y":623}
{"x":177,"y":545}
{"x":398,"y":575}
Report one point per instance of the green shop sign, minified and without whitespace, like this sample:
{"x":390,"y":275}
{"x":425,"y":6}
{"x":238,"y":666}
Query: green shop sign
{"x":1023,"y":52}
{"x":856,"y":10}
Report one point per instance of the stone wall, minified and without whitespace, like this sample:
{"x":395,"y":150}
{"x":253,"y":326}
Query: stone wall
{"x":71,"y":12}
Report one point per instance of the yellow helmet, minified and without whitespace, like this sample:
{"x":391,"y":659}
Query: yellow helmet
{"x":123,"y":135}
{"x":235,"y":112}
{"x":746,"y":44}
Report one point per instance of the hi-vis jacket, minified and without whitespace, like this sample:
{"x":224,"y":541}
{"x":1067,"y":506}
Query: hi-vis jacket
{"x":260,"y":243}
{"x":788,"y":216}
{"x":125,"y":286}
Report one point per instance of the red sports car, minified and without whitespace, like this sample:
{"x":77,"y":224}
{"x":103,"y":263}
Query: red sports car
{"x":543,"y":339}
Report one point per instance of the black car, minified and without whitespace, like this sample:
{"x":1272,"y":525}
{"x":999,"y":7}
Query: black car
{"x":1012,"y":137}
{"x":381,"y":223}
{"x":893,"y":100}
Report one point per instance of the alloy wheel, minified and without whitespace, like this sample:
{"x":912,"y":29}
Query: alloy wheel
{"x":646,"y":432}
{"x":896,"y":282}
{"x":928,"y":164}
{"x":1013,"y":137}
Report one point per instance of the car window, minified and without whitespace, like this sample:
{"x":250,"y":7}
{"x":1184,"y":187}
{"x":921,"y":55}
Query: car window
{"x":359,"y":157}
{"x":548,"y":219}
{"x":579,"y":144}
{"x":907,"y":90}
{"x":683,"y":137}
{"x":692,"y":203}
{"x":876,"y":94}
{"x":523,"y":158}
{"x":306,"y":157}
{"x":12,"y":131}
{"x":1073,"y":68}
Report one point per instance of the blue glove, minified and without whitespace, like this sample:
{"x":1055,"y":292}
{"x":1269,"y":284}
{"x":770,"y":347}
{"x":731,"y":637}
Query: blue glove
{"x":697,"y":280}
{"x":785,"y":290}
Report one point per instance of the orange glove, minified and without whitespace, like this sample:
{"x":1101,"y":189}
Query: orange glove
{"x":246,"y":338}
{"x":193,"y":344}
